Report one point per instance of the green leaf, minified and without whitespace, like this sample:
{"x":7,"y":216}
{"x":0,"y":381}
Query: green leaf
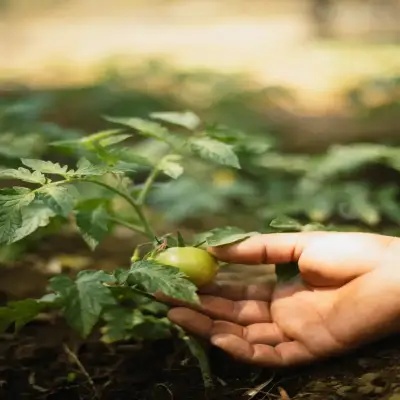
{"x":115,"y":139}
{"x":348,"y":158}
{"x":35,"y":215}
{"x":61,"y":199}
{"x":153,"y":277}
{"x":286,"y":224}
{"x":25,"y":311}
{"x":119,"y":324}
{"x":12,"y":202}
{"x":359,"y":205}
{"x":180,"y":240}
{"x":84,"y":299}
{"x":224,"y":236}
{"x":186,"y":119}
{"x":314,"y":227}
{"x":104,"y":138}
{"x":6,"y":318}
{"x":15,"y":145}
{"x":24,"y":174}
{"x":215,"y":151}
{"x":388,"y":204}
{"x":20,"y":313}
{"x":321,"y":205}
{"x":93,"y":225}
{"x":126,"y":155}
{"x":127,"y":323}
{"x":86,"y":168}
{"x":170,"y":166}
{"x":46,"y":167}
{"x":147,"y":128}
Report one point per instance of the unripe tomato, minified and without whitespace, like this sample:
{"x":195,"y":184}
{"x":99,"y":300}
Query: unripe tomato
{"x":198,"y":265}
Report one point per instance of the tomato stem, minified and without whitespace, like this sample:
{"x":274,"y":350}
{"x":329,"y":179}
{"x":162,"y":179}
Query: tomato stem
{"x":137,"y":207}
{"x":147,"y":185}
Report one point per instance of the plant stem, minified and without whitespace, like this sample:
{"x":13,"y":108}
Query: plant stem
{"x":199,"y":352}
{"x":137,"y":207}
{"x":83,"y":370}
{"x":128,"y":225}
{"x":148,"y":184}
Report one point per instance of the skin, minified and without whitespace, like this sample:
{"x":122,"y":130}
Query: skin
{"x":347,"y":295}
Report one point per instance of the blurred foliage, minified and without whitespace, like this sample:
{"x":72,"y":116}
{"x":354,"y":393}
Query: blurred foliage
{"x":376,"y":97}
{"x":349,"y":187}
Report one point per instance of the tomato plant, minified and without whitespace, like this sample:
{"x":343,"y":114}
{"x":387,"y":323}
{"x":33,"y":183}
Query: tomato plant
{"x":123,"y":302}
{"x":185,"y":169}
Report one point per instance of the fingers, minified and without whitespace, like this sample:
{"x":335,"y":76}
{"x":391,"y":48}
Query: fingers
{"x":324,"y":258}
{"x":271,"y":248}
{"x":204,"y":326}
{"x":241,"y":312}
{"x":282,"y":355}
{"x":262,"y":333}
{"x":241,"y":291}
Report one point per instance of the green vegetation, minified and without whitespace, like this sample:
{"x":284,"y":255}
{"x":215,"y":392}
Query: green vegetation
{"x":154,"y":169}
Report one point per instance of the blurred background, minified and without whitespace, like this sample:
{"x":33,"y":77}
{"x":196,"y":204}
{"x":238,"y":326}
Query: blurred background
{"x":312,"y":85}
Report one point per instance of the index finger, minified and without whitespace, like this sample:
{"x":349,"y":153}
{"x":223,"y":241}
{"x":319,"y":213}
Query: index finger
{"x":272,"y":248}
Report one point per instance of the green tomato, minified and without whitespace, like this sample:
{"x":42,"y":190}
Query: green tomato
{"x":198,"y":265}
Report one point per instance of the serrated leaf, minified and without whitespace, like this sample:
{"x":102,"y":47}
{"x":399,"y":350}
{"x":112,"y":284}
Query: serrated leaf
{"x":187,"y":119}
{"x":118,"y":326}
{"x":24,"y":174}
{"x":93,"y":225}
{"x":227,"y":235}
{"x":46,"y":167}
{"x":153,"y":277}
{"x":34,"y":216}
{"x":84,"y":299}
{"x":215,"y":151}
{"x":60,"y":199}
{"x":286,"y":224}
{"x":25,"y":311}
{"x":170,"y":166}
{"x":127,"y":155}
{"x":145,"y":127}
{"x":127,"y":323}
{"x":121,"y":275}
{"x":20,"y":313}
{"x":12,"y":202}
{"x":86,"y":168}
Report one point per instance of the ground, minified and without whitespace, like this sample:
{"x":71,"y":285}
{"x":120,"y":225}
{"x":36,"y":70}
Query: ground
{"x":37,"y":363}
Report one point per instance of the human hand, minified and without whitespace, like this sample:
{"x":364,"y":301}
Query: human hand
{"x":347,"y":294}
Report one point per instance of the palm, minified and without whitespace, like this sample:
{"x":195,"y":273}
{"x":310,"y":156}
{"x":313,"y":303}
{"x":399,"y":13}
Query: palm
{"x":346,"y":296}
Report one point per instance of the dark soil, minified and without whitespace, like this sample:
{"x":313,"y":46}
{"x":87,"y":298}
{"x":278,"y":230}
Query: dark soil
{"x":37,"y":363}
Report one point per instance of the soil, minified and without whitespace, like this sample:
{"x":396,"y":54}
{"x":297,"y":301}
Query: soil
{"x":37,"y":363}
